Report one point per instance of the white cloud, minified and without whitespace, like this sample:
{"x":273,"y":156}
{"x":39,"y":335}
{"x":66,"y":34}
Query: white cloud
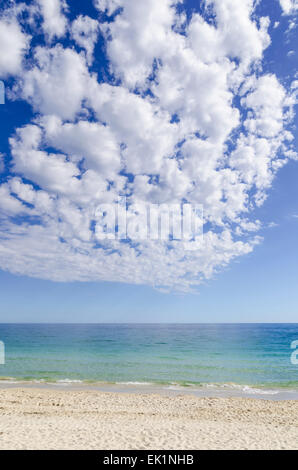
{"x":141,"y":126}
{"x":289,"y":7}
{"x":239,"y":36}
{"x":141,"y":33}
{"x":57,"y":83}
{"x":267,"y":102}
{"x":292,"y":25}
{"x":9,"y":205}
{"x":50,"y":171}
{"x":13,"y":45}
{"x":86,"y":140}
{"x":54,"y":21}
{"x":108,"y":6}
{"x":186,"y":115}
{"x":85,"y":31}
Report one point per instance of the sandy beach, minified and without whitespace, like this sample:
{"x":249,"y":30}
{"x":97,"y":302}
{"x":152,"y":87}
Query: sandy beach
{"x":66,"y":419}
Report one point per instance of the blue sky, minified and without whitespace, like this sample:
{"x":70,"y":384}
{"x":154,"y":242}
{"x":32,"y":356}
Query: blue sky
{"x":97,"y":107}
{"x":262,"y":287}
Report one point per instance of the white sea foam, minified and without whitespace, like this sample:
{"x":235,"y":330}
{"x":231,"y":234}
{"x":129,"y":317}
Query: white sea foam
{"x":257,"y":391}
{"x":135,"y":383}
{"x":69,"y":381}
{"x":243,"y":388}
{"x":173,"y":386}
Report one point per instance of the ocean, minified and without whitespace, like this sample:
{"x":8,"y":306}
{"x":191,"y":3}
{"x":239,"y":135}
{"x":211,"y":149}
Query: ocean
{"x":246,"y":358}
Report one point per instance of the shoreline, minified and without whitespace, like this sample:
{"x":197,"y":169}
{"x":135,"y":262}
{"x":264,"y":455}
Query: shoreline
{"x":229,"y":390}
{"x":43,"y":418}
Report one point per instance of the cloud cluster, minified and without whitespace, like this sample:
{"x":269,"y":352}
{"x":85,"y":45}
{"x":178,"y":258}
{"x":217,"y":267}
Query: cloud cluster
{"x":54,"y":21}
{"x":13,"y":45}
{"x":289,"y":7}
{"x":186,"y":115}
{"x":85,"y":31}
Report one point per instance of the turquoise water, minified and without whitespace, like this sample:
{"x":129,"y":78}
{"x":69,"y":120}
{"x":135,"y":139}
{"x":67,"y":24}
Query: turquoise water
{"x":257,"y":355}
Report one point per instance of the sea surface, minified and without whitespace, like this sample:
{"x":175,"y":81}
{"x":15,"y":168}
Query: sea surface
{"x":209,"y":359}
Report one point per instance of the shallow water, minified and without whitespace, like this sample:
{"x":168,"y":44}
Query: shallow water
{"x":209,"y":359}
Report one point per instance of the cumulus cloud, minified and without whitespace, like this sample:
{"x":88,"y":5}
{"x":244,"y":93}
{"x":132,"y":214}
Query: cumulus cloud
{"x":86,"y":140}
{"x":54,"y":20}
{"x":108,"y":6}
{"x":85,"y":31}
{"x":13,"y":45}
{"x":184,"y":114}
{"x":137,"y":36}
{"x":9,"y":205}
{"x":57,"y":82}
{"x":289,"y":7}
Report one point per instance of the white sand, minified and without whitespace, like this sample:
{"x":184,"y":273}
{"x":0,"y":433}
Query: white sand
{"x":51,"y":419}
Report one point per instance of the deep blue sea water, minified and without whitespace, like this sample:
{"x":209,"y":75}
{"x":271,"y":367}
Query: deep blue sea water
{"x":254,"y":355}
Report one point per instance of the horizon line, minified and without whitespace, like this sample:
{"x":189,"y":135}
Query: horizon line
{"x":148,"y":323}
